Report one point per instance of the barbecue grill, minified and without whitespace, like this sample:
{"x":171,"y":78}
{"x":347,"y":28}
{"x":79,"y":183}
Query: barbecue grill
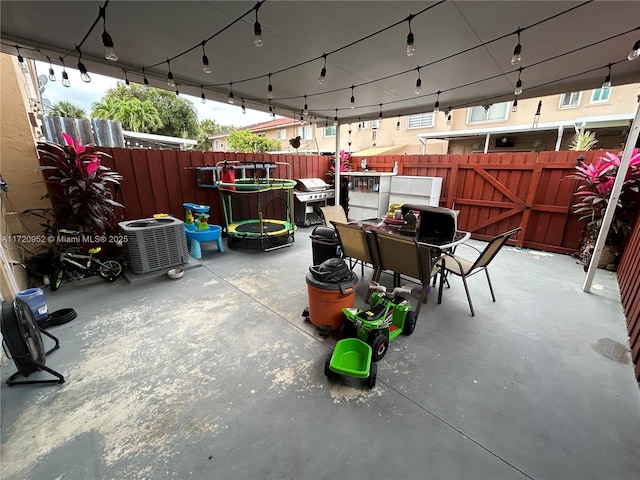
{"x":309,"y":195}
{"x":438,"y":226}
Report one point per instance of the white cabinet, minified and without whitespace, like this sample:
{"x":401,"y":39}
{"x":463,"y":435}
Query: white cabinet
{"x":368,"y":194}
{"x":416,"y":190}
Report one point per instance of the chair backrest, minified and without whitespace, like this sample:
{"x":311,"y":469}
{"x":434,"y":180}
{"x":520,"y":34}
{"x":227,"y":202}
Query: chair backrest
{"x":333,"y":213}
{"x":399,"y":254}
{"x":492,"y":249}
{"x":355,"y":242}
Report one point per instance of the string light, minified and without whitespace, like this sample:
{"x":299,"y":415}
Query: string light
{"x":145,"y":80}
{"x":257,"y":28}
{"x":380,"y":115}
{"x":536,"y":117}
{"x":323,"y":72}
{"x":107,"y":41}
{"x":517,"y":51}
{"x":353,"y":99}
{"x":177,"y":91}
{"x":230,"y":98}
{"x":418,"y":83}
{"x":635,"y":51}
{"x":65,"y":75}
{"x":244,"y":109}
{"x":335,"y":119}
{"x":270,"y":88}
{"x":52,"y":74}
{"x":607,"y":79}
{"x":449,"y":118}
{"x":305,"y":110}
{"x":170,"y":81}
{"x":205,"y":60}
{"x":436,"y":106}
{"x":21,"y":61}
{"x":203,"y":99}
{"x":270,"y":108}
{"x":514,"y":106}
{"x":410,"y":48}
{"x":518,"y":89}
{"x":84,"y":75}
{"x":398,"y":124}
{"x":126,"y":78}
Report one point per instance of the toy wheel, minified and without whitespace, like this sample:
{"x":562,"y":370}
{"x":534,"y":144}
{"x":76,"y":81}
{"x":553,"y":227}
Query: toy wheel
{"x":110,"y":270}
{"x":348,"y":330}
{"x":379,"y":345}
{"x":410,"y":322}
{"x":325,"y":331}
{"x":58,"y":278}
{"x":327,"y":369}
{"x":373,"y":373}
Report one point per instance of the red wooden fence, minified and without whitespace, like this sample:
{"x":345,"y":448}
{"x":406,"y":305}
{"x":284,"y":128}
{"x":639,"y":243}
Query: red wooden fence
{"x":629,"y":280}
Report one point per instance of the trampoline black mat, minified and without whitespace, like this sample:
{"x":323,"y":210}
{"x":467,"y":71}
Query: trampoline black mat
{"x":254,"y":227}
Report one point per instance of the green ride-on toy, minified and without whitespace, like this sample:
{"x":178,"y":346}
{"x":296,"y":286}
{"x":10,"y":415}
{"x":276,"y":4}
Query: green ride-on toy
{"x":388,"y":316}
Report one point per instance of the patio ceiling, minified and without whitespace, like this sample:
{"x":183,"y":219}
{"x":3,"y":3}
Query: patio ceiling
{"x":454,"y":47}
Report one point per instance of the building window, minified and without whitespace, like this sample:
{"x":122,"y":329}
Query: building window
{"x":369,"y":124}
{"x":420,"y":120}
{"x":305,"y":133}
{"x":497,"y":112}
{"x":217,"y":144}
{"x":600,"y":95}
{"x":261,"y":134}
{"x":570,"y":100}
{"x":330,"y":131}
{"x":281,"y":134}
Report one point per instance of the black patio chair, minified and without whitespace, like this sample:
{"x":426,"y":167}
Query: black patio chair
{"x":452,"y":263}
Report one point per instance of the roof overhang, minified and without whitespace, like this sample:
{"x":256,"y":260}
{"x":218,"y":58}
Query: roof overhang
{"x":462,"y":49}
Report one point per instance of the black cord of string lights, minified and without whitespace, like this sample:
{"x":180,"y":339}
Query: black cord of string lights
{"x":84,"y":39}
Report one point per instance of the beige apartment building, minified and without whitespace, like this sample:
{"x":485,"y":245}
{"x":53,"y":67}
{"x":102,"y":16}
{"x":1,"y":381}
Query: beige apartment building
{"x":491,"y":128}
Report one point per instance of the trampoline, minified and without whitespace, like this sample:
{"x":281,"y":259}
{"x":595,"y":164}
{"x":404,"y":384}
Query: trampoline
{"x":257,"y":211}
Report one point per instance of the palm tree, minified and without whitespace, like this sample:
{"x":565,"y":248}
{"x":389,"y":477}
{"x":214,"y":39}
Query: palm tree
{"x":134,"y":114}
{"x":65,"y":108}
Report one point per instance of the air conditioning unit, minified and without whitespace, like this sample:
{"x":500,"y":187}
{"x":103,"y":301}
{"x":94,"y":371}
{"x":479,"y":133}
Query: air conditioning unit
{"x":155,"y":243}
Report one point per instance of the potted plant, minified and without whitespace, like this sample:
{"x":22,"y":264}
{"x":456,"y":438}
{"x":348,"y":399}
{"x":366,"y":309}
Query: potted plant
{"x":595,"y":184}
{"x":81,"y":189}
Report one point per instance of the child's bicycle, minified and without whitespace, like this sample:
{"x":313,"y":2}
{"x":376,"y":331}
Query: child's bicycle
{"x":388,"y":316}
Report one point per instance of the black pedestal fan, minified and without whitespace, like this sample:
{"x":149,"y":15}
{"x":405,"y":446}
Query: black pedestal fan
{"x":22,"y":341}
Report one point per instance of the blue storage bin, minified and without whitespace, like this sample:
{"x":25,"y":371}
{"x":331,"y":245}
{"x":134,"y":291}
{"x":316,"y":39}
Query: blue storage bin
{"x":34,"y":297}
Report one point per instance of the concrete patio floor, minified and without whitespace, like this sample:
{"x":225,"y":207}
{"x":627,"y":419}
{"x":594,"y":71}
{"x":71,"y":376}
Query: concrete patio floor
{"x":217,"y":376}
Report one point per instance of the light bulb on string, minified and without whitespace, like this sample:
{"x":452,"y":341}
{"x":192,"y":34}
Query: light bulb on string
{"x":305,"y":110}
{"x":203,"y":99}
{"x":230,"y":98}
{"x":170,"y":80}
{"x":607,"y":79}
{"x":517,"y":51}
{"x":352,"y":103}
{"x":107,"y":41}
{"x":436,"y":106}
{"x":65,"y":75}
{"x":335,"y":119}
{"x":126,"y":79}
{"x":270,"y":88}
{"x":52,"y":74}
{"x":244,"y":109}
{"x":536,"y":117}
{"x":323,"y":72}
{"x":449,"y":118}
{"x":518,"y":89}
{"x":257,"y":28}
{"x":145,"y":80}
{"x":635,"y":51}
{"x":380,"y":116}
{"x":23,"y":64}
{"x":410,"y":48}
{"x":398,"y":124}
{"x":205,"y":60}
{"x":418,"y":89}
{"x":84,"y":75}
{"x":514,"y":106}
{"x":177,"y":91}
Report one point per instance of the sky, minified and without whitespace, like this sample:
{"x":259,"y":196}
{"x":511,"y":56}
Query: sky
{"x":84,"y":94}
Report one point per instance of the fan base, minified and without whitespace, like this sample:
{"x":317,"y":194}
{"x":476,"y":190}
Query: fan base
{"x":11,"y":381}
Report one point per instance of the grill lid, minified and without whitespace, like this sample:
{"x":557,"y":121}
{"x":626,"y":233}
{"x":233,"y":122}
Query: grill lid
{"x":311,"y":185}
{"x":438,"y":225}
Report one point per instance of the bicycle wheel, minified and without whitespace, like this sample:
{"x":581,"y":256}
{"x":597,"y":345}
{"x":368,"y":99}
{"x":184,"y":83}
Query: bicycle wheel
{"x":111,"y":269}
{"x":57,"y":278}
